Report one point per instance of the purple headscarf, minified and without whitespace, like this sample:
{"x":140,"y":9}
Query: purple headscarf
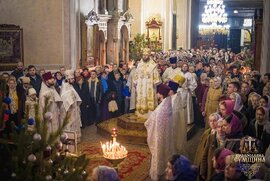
{"x":229,"y":106}
{"x":220,"y":160}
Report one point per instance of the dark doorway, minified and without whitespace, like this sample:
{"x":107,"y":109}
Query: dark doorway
{"x":235,"y":40}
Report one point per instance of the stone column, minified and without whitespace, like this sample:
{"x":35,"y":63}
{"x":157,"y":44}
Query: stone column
{"x":105,"y":7}
{"x":182,"y":14}
{"x":265,"y":53}
{"x":113,"y":41}
{"x":75,"y":47}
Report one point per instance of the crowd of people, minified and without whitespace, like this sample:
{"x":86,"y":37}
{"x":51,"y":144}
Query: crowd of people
{"x":212,"y":88}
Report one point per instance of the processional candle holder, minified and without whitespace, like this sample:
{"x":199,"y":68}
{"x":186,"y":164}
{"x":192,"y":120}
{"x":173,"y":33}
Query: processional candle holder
{"x":113,"y":151}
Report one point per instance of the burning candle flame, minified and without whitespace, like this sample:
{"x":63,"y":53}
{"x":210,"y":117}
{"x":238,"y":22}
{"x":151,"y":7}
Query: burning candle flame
{"x":112,"y":149}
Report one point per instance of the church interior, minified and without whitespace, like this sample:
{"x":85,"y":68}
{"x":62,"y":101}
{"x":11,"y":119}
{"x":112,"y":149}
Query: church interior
{"x":135,"y":90}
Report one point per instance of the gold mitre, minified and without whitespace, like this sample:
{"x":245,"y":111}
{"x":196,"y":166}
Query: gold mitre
{"x":179,"y":79}
{"x":146,"y":51}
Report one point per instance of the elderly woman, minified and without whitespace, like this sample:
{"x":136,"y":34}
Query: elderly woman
{"x":104,"y":173}
{"x":253,"y":104}
{"x":218,"y":160}
{"x":179,"y":168}
{"x":213,"y":96}
{"x":232,"y":170}
{"x":213,"y":142}
{"x":213,"y":118}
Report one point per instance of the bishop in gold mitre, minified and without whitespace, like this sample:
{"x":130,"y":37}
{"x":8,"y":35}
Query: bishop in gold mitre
{"x":146,"y":80}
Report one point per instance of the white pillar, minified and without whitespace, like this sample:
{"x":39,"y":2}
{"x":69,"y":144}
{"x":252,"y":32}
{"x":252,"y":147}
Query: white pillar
{"x":265,"y":54}
{"x":183,"y":23}
{"x":188,"y":24}
{"x":75,"y":45}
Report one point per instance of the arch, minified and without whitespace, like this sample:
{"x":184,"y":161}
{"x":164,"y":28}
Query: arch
{"x":124,"y":44}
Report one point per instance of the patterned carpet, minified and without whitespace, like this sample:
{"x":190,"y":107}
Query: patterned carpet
{"x":134,"y":168}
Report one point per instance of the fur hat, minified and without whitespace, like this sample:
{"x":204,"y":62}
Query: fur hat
{"x":25,"y":80}
{"x":112,"y":106}
{"x":31,"y":91}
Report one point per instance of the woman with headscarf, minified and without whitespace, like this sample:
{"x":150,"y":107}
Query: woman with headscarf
{"x":238,"y":105}
{"x":233,"y":129}
{"x":239,"y":110}
{"x":213,"y":96}
{"x":199,"y":91}
{"x":233,"y":171}
{"x":264,"y":102}
{"x":179,"y":168}
{"x":226,"y":107}
{"x":260,"y":127}
{"x":218,"y":160}
{"x":59,"y":78}
{"x":104,"y":173}
{"x":213,"y":118}
{"x":213,"y":142}
{"x":232,"y":125}
{"x":253,"y":99}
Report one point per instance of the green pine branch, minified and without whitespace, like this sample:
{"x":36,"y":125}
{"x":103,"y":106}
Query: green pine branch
{"x":51,"y":161}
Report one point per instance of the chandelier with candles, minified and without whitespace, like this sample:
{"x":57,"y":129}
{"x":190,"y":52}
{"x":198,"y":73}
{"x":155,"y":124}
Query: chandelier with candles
{"x":113,"y":151}
{"x":214,"y":19}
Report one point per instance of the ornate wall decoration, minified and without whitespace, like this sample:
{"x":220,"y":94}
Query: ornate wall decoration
{"x":92,"y":18}
{"x":11,"y":46}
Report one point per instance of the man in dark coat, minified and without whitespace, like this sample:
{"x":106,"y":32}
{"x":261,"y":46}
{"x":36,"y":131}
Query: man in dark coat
{"x":18,"y":72}
{"x":86,"y":109}
{"x":35,"y":79}
{"x":94,"y":94}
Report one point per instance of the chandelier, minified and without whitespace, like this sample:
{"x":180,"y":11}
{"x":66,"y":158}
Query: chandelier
{"x":214,"y":19}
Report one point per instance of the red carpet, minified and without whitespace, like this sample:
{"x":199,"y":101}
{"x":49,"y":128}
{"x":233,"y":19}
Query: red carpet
{"x":134,"y":167}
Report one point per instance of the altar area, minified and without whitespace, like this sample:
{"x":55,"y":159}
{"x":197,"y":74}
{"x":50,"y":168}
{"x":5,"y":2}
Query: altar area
{"x":131,"y":129}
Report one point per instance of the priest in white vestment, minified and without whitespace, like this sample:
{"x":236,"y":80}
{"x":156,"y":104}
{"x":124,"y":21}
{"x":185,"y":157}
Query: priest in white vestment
{"x":179,"y":109}
{"x":146,"y":78}
{"x":54,"y":103}
{"x":159,"y":128}
{"x":172,"y":71}
{"x":187,"y":88}
{"x":71,"y":103}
